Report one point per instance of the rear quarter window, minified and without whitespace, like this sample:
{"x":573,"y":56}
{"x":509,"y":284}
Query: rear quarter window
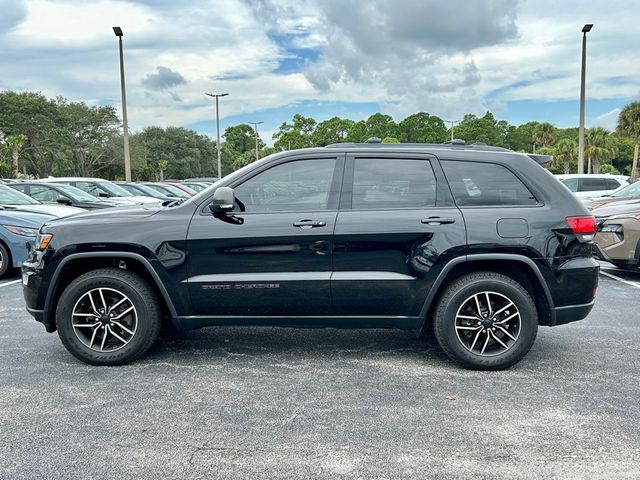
{"x":485,"y":184}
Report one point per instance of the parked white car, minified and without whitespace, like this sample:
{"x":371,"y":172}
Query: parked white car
{"x":12,"y":198}
{"x":105,"y":189}
{"x":591,"y":185}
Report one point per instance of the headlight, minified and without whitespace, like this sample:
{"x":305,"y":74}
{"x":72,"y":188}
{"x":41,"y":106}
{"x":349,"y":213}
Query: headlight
{"x":42,"y":241}
{"x":23,"y":231}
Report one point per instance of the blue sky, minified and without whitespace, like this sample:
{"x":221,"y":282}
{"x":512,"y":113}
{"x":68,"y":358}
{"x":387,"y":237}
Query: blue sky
{"x":521,"y":60}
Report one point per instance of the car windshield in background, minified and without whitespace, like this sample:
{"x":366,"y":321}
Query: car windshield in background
{"x":628,"y":191}
{"x":113,"y":189}
{"x":76,"y":194}
{"x":9,"y":196}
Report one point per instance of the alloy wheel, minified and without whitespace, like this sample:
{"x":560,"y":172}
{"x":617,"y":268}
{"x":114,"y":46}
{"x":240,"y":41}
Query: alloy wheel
{"x":104,"y":319}
{"x":488,"y":323}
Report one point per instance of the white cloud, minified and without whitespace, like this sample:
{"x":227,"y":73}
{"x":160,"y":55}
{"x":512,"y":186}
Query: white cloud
{"x":607,"y":120}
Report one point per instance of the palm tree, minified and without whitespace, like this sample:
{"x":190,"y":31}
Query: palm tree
{"x":629,"y":125}
{"x":565,"y":151}
{"x":14,"y":144}
{"x":162,"y":166}
{"x":544,"y":134}
{"x":599,"y":147}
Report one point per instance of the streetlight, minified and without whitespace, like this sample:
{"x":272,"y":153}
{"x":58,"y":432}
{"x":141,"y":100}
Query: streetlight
{"x":217,"y":96}
{"x":125,"y":123}
{"x":452,"y":122}
{"x":255,"y":127}
{"x":587,"y":28}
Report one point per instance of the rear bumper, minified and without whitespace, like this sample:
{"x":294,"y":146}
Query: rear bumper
{"x":573,"y":313}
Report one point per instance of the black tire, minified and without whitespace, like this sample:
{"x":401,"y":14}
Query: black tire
{"x":5,"y":260}
{"x":499,"y":286}
{"x":141,"y":296}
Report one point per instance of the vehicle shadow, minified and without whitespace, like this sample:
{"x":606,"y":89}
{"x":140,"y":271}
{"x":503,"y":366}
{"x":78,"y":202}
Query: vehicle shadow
{"x":215,"y":343}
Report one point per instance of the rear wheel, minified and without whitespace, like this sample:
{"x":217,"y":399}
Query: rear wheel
{"x":5,"y":260}
{"x":486,"y":321}
{"x":108,"y":316}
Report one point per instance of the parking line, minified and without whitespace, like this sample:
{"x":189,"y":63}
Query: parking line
{"x":626,"y":282}
{"x":9,"y":283}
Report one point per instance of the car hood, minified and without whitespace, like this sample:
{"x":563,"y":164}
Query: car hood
{"x":21,"y":218}
{"x":54,"y":210}
{"x":108,"y":215}
{"x":136,"y":199}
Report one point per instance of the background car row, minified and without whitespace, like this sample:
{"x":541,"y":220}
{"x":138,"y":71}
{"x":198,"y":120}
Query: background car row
{"x":26,"y":205}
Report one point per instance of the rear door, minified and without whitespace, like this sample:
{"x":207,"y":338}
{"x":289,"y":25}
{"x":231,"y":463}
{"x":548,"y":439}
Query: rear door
{"x":396,"y":228}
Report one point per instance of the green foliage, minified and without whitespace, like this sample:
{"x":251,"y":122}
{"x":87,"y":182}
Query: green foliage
{"x":242,"y":138}
{"x":608,"y":168}
{"x":629,"y":125}
{"x":544,"y":134}
{"x":334,"y":130}
{"x":390,"y":140}
{"x":599,"y":147}
{"x":485,"y":129}
{"x":298,"y":134}
{"x":422,"y":128}
{"x":6,"y":170}
{"x":565,"y":154}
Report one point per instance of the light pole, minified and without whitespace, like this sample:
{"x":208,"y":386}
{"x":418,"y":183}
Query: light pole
{"x":217,"y":96}
{"x":125,"y":123}
{"x":452,"y":122}
{"x":587,"y":28}
{"x":255,"y":127}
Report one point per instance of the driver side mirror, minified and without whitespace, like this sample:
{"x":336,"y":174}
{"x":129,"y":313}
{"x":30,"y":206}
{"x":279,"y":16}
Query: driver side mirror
{"x":223,"y":201}
{"x":64,"y":201}
{"x":103,"y":195}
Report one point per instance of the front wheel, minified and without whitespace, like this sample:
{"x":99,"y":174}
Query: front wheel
{"x":5,"y":260}
{"x":108,"y":316}
{"x":486,"y":321}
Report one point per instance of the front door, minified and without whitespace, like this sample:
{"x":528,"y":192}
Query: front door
{"x":396,"y":228}
{"x":272,"y":256}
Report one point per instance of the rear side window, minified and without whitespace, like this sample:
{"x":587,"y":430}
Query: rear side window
{"x":393,"y":183}
{"x":593,"y":184}
{"x":486,"y":184}
{"x":612,"y":184}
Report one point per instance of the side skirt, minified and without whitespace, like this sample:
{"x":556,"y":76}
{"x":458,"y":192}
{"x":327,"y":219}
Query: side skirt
{"x":403,"y":323}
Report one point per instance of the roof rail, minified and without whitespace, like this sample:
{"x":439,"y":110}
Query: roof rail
{"x":454,"y":146}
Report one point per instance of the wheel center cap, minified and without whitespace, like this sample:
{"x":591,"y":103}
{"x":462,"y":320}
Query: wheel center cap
{"x":105,"y":320}
{"x":486,"y":323}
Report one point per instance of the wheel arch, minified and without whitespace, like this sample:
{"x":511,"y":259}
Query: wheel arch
{"x":518,"y":267}
{"x":79,"y":263}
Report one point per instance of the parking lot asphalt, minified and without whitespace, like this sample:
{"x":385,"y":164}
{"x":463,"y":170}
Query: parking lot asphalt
{"x":286,"y":403}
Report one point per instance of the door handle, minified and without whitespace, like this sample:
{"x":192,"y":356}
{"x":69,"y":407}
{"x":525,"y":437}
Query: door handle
{"x":309,"y":224}
{"x":438,"y":220}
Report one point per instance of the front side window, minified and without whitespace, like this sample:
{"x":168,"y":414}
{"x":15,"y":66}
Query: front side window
{"x":393,"y":183}
{"x":289,"y":187}
{"x":44,"y":194}
{"x":486,"y":184}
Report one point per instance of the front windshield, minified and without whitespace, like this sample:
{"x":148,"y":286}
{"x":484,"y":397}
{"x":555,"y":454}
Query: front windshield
{"x":628,"y":191}
{"x":175,"y":191}
{"x":76,"y":194}
{"x":9,"y":196}
{"x":113,"y":189}
{"x":145,"y":190}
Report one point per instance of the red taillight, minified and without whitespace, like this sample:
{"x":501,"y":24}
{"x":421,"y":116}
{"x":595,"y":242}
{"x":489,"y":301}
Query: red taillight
{"x":582,"y":225}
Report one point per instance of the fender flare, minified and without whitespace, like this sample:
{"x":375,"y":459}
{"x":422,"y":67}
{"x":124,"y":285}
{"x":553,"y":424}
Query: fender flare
{"x":435,"y":288}
{"x":135,"y":256}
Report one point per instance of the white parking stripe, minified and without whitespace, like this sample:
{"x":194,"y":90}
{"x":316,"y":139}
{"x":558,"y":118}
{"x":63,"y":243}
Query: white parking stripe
{"x":9,"y":283}
{"x":626,"y":282}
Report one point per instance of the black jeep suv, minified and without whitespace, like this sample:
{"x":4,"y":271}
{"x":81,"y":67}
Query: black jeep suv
{"x":480,"y":243}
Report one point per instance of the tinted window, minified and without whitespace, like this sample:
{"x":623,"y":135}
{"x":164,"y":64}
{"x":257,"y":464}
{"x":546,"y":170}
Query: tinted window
{"x":628,"y":191}
{"x":593,"y":184}
{"x":44,"y":194}
{"x":612,"y":184}
{"x":393,"y":183}
{"x":571,"y":184}
{"x":20,"y":188}
{"x":289,"y":187}
{"x":485,"y":184}
{"x":90,"y":188}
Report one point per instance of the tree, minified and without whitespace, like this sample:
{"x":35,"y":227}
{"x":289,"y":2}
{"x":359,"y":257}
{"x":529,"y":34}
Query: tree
{"x":565,"y":152}
{"x":162,"y":166}
{"x":241,"y":138}
{"x":519,"y":138}
{"x":485,"y":129}
{"x":381,"y":126}
{"x":295,"y":135}
{"x":390,"y":140}
{"x":422,"y":128}
{"x":334,"y":130}
{"x":629,"y":125}
{"x":598,"y":148}
{"x":13,"y":145}
{"x":544,"y":134}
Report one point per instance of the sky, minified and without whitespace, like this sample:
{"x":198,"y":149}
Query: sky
{"x":347,"y":58}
